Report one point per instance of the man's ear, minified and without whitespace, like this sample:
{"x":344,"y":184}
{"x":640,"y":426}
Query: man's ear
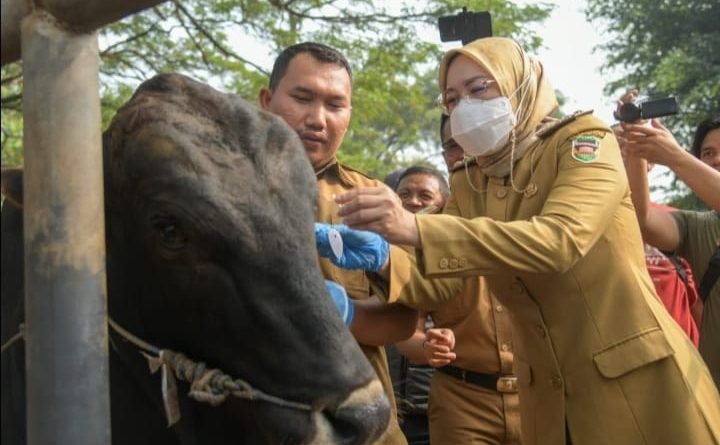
{"x":264,"y":97}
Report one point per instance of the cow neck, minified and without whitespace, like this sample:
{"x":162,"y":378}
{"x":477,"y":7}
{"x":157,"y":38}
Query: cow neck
{"x":210,"y":386}
{"x":18,"y":336}
{"x":207,"y":385}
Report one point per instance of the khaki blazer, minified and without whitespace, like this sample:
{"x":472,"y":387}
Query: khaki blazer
{"x":594,"y":347}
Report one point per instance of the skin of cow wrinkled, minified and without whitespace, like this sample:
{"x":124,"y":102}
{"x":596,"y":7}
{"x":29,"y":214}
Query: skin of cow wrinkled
{"x":209,"y":209}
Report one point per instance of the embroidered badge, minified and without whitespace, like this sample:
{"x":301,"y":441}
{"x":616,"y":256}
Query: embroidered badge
{"x":585,"y":148}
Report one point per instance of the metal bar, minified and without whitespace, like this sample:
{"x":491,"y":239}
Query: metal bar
{"x":79,"y":15}
{"x":65,"y":302}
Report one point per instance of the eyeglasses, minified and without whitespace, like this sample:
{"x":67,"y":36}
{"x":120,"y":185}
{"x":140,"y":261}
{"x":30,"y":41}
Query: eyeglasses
{"x":474,"y":89}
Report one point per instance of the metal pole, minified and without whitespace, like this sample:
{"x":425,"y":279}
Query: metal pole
{"x":65,"y":300}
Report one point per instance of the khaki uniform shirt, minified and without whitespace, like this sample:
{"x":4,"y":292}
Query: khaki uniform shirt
{"x":699,"y":238}
{"x":482,"y":329}
{"x":594,"y":347}
{"x":336,"y":179}
{"x":483,"y":343}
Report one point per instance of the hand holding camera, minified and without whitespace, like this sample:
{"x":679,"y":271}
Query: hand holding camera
{"x":653,"y":142}
{"x":631,"y":109}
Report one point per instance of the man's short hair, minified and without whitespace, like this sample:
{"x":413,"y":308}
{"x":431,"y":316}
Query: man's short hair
{"x":703,"y":129}
{"x":427,"y":171}
{"x":318,"y":51}
{"x":392,"y":179}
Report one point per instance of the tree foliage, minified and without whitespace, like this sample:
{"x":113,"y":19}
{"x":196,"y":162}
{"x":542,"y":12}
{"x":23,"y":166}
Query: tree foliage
{"x":394,"y":111}
{"x":665,"y":48}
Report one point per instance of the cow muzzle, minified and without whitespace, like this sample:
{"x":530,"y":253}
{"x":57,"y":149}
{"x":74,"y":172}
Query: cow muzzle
{"x":361,"y":419}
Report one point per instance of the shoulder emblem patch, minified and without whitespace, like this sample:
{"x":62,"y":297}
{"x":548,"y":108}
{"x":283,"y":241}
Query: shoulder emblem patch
{"x":585,"y":148}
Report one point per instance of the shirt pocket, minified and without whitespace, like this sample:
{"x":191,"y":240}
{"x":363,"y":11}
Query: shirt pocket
{"x":632,"y":353}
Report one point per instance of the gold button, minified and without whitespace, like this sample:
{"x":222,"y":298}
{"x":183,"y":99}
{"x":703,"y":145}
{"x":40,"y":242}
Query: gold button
{"x":454,"y":263}
{"x":443,"y":263}
{"x":540,"y":331}
{"x":504,"y":347}
{"x":530,"y":190}
{"x":499,"y":308}
{"x":519,"y":288}
{"x":556,"y":382}
{"x":463,"y":262}
{"x":501,"y":193}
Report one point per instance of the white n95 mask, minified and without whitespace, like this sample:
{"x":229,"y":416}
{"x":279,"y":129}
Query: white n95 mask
{"x":482,"y":127}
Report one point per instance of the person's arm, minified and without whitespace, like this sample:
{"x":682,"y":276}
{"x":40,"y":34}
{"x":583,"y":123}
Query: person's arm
{"x":656,"y":144}
{"x":700,"y":177}
{"x":377,"y":323}
{"x":412,"y":348}
{"x":658,"y":227}
{"x":583,"y":201}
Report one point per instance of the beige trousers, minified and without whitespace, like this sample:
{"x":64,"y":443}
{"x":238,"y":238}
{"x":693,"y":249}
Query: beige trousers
{"x":464,"y":414}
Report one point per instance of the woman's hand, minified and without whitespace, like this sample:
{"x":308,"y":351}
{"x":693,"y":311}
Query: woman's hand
{"x":655,"y":143}
{"x":379,"y":210}
{"x":438,"y":347}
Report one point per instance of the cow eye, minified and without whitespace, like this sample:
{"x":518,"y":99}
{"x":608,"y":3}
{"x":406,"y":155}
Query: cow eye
{"x":171,"y":235}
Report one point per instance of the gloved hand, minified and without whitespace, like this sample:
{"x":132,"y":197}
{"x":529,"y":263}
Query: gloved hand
{"x":360,"y":250}
{"x":343,"y":303}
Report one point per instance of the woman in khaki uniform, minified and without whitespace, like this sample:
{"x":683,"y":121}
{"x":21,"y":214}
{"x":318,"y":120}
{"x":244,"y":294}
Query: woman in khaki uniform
{"x":547,"y":218}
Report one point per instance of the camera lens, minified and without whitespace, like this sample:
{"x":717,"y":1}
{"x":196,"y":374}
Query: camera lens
{"x":628,"y":112}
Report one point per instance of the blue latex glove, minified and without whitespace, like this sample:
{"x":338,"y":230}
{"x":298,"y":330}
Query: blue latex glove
{"x":344,"y":304}
{"x":361,"y":249}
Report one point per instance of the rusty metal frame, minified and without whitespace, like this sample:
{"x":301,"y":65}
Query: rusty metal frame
{"x":68,"y":398}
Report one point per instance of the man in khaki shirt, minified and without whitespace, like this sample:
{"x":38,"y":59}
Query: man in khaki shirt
{"x":311,"y":88}
{"x":474,"y":397}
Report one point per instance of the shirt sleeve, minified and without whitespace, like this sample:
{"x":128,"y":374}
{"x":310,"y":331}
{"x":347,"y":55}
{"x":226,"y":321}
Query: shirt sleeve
{"x":407,"y":284}
{"x":409,"y":287}
{"x":582,"y":202}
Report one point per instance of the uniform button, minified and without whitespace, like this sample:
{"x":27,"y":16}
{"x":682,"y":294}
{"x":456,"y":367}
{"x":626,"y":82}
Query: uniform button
{"x":463,"y":262}
{"x":556,"y":382}
{"x":453,"y":263}
{"x":530,"y":190}
{"x":504,"y":347}
{"x":519,"y":288}
{"x":443,"y":263}
{"x":540,"y":331}
{"x":501,"y":193}
{"x":499,"y":308}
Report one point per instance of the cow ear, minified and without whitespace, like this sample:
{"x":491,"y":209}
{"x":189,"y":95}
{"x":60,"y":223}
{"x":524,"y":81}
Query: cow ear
{"x":12,"y":185}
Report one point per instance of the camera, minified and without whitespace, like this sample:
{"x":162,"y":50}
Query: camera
{"x":648,"y":109}
{"x":465,"y":26}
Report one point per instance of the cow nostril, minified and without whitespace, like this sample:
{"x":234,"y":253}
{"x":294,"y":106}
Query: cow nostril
{"x":362,"y":418}
{"x":346,"y":430}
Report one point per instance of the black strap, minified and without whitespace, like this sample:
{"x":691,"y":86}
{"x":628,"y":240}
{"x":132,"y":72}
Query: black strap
{"x":712,"y":273}
{"x":487,"y":381}
{"x":675,"y":260}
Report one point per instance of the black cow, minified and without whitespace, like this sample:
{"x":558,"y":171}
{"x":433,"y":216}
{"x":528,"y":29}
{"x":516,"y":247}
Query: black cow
{"x":209,"y":211}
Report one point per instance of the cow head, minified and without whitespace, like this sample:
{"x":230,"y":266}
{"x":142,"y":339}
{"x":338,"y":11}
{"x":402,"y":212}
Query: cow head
{"x":209,"y":210}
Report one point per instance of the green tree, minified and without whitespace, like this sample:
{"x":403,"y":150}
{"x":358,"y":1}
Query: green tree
{"x":665,"y":48}
{"x":394,"y":110}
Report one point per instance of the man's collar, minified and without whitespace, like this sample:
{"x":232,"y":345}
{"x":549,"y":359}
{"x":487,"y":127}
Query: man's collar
{"x":323,"y":168}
